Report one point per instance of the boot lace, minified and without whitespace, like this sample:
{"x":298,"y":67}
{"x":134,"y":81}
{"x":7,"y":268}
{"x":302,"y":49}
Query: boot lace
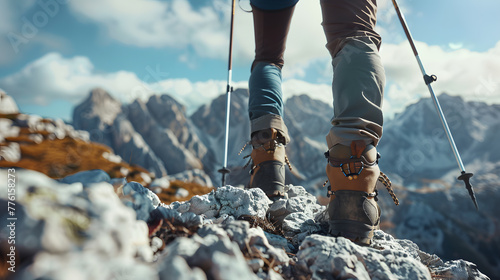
{"x":382,"y":178}
{"x":269,"y":147}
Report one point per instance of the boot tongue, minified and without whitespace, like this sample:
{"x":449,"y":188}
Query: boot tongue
{"x":357,"y":148}
{"x":264,"y":136}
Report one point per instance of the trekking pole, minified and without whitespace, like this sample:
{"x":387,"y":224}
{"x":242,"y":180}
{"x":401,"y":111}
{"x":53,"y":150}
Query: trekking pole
{"x":428,"y":80}
{"x":224,"y":170}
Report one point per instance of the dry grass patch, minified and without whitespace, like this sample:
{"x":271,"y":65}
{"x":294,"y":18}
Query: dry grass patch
{"x":168,"y":195}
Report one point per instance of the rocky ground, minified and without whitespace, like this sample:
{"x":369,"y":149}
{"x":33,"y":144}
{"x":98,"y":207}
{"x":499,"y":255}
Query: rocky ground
{"x":120,"y":222}
{"x":92,"y":227}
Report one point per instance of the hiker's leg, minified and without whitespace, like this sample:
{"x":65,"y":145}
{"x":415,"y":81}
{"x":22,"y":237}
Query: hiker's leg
{"x":359,"y":77}
{"x":269,"y":134}
{"x":357,"y":88}
{"x":271,"y":30}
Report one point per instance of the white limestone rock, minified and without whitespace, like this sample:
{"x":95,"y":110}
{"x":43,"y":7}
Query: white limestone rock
{"x":195,"y":175}
{"x":71,"y":230}
{"x":143,"y":200}
{"x":238,"y":202}
{"x":11,"y":152}
{"x":332,"y":258}
{"x":176,"y":267}
{"x":459,"y":270}
{"x":8,"y":129}
{"x":7,"y":104}
{"x":83,"y":228}
{"x":215,"y":254}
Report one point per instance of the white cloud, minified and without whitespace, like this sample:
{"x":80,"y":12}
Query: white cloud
{"x":469,"y":74}
{"x":152,"y":23}
{"x":455,"y":46}
{"x":53,"y":77}
{"x":386,"y":13}
{"x":306,"y":40}
{"x":321,"y":92}
{"x":204,"y":30}
{"x":194,"y":94}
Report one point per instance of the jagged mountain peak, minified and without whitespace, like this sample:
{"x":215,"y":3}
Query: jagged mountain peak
{"x":308,"y":117}
{"x":307,"y":101}
{"x":415,"y":145}
{"x":166,"y":100}
{"x":99,"y":94}
{"x":155,"y":133}
{"x":99,"y":105}
{"x":462,"y":117}
{"x":451,"y":105}
{"x":167,"y":111}
{"x":137,"y":103}
{"x":214,"y":113}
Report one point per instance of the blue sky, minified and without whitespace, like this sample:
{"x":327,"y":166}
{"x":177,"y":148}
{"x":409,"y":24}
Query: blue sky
{"x":55,"y":51}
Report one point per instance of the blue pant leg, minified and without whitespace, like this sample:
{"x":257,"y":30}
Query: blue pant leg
{"x":266,"y":95}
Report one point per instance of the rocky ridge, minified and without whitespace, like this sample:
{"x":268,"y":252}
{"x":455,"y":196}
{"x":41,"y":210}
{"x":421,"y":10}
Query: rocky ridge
{"x":140,"y":131}
{"x":101,"y":228}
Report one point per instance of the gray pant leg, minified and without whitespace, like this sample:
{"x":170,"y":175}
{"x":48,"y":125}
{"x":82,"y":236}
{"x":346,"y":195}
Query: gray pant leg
{"x":359,"y":77}
{"x":357,"y":87}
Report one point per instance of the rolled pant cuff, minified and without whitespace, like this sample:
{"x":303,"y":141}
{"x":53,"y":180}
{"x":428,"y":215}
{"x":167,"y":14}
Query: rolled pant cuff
{"x":350,"y":129}
{"x":270,"y":121}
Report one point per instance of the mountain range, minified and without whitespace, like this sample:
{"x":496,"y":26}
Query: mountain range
{"x":158,"y":135}
{"x":414,"y":147}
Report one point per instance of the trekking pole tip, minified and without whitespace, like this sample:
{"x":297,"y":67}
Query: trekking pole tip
{"x":224,"y":171}
{"x":466,"y":178}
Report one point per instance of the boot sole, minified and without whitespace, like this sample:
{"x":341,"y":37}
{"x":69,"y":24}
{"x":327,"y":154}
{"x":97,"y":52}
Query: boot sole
{"x":270,"y":177}
{"x":358,"y":232}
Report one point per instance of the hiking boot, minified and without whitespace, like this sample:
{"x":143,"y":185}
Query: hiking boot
{"x":353,"y":173}
{"x":268,"y":156}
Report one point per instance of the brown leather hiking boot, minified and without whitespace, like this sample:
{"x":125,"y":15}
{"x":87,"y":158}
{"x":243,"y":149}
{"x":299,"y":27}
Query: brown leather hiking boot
{"x":353,"y":173}
{"x":268,"y":156}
